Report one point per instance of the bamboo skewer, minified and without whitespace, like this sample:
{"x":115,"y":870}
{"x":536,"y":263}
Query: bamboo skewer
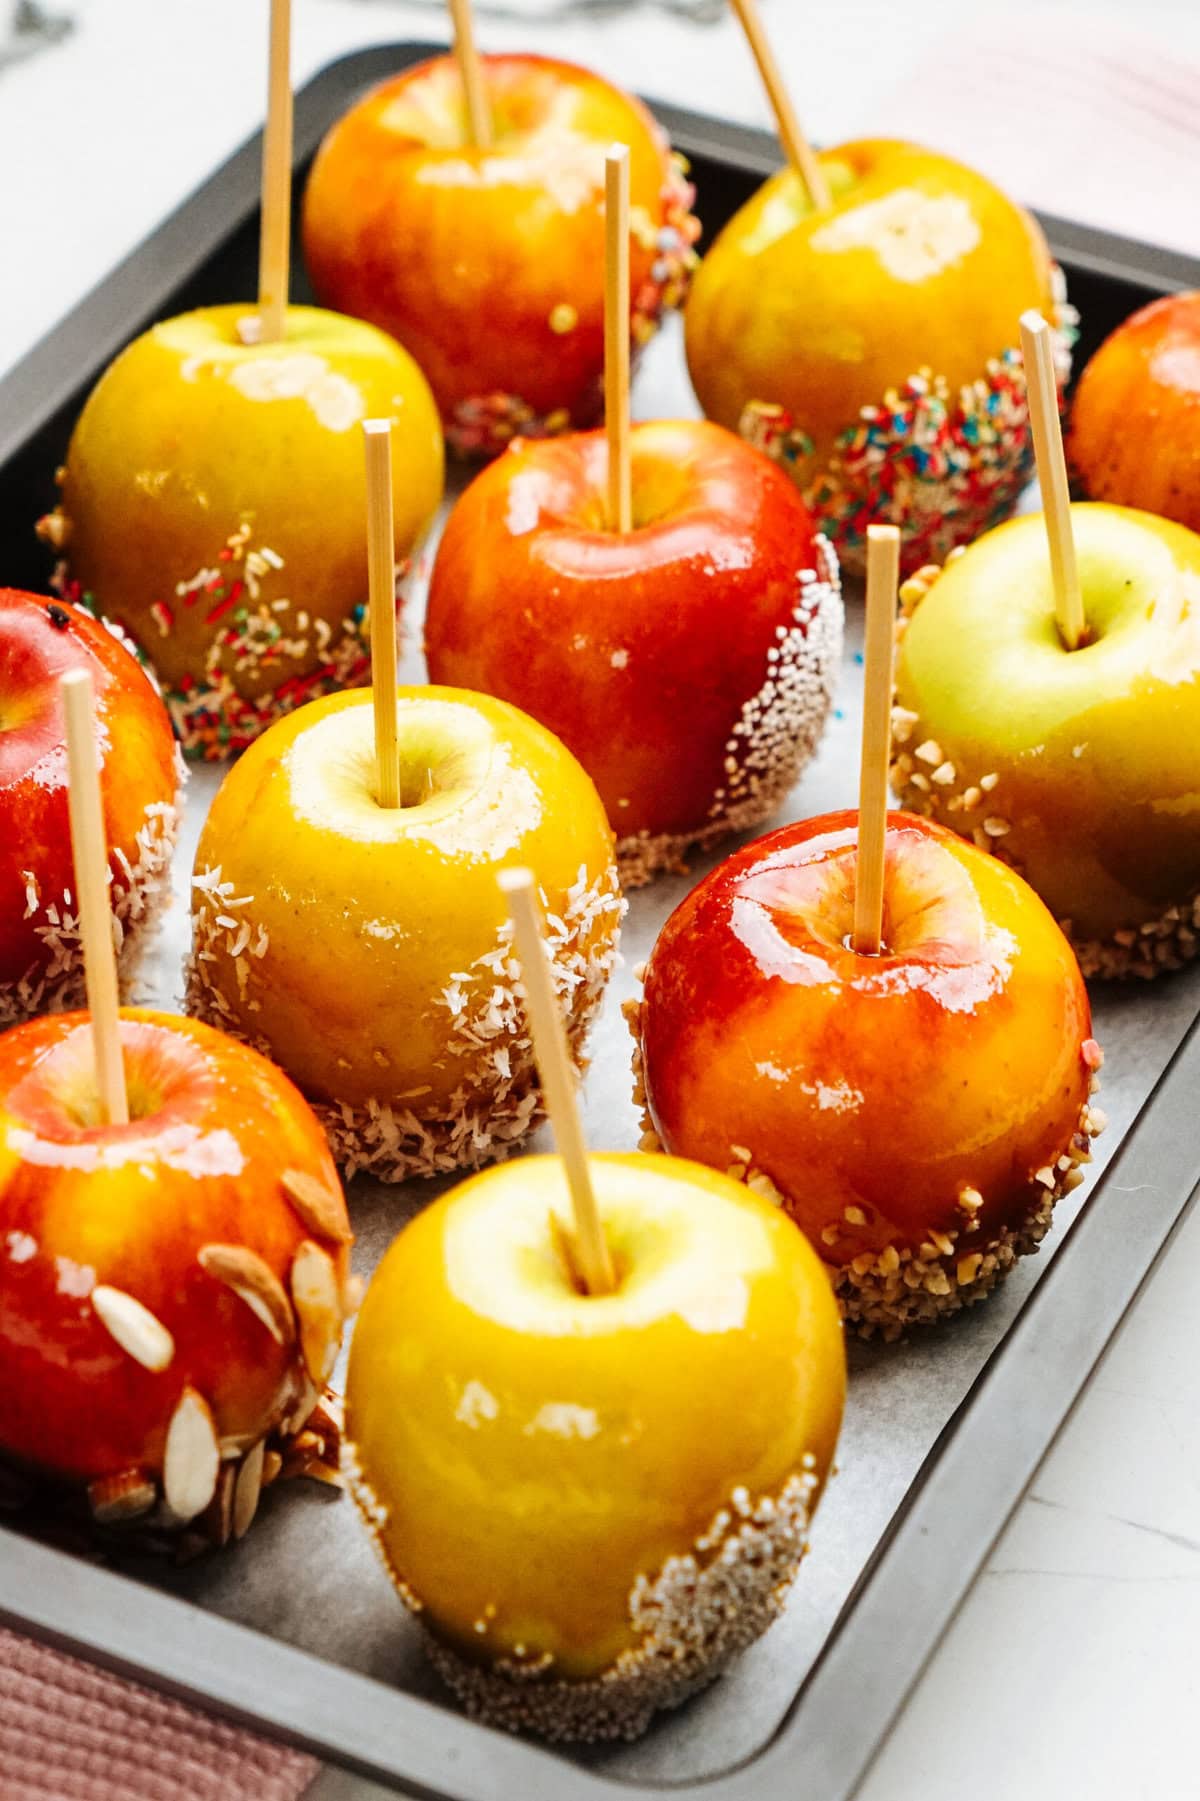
{"x":90,"y":855}
{"x":558,"y":1079}
{"x":616,"y":336}
{"x":797,"y":149}
{"x":1052,"y":476}
{"x":470,"y":67}
{"x":883,"y":574}
{"x":381,"y":586}
{"x":274,"y":246}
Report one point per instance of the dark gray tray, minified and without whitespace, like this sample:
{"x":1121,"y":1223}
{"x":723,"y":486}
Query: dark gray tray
{"x":991,"y":1393}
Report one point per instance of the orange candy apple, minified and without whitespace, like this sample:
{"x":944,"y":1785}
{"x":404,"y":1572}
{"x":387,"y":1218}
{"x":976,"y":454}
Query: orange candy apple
{"x":488,"y":265}
{"x":41,"y":956}
{"x":873,"y":348}
{"x":689,"y":664}
{"x":172,"y":1290}
{"x":213,"y":500}
{"x":365,"y":948}
{"x":918,"y":1112}
{"x":594,"y":1500}
{"x":1135,"y":419}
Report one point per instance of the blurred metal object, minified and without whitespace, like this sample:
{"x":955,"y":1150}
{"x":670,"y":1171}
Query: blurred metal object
{"x":31,"y":29}
{"x":554,"y":12}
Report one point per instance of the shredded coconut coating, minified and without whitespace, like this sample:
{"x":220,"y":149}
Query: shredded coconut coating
{"x":972,"y":803}
{"x":885,"y":1292}
{"x":499,"y":1101}
{"x":778,"y":731}
{"x":482,"y":426}
{"x":691,"y":1619}
{"x":945,"y":467}
{"x":56,"y":982}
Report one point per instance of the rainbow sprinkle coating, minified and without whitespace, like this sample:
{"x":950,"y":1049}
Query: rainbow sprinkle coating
{"x":482,"y":426}
{"x":944,"y":468}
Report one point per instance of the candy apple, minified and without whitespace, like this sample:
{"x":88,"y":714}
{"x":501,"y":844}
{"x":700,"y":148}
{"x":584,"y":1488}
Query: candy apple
{"x":213,"y":501}
{"x":1077,"y":767}
{"x":1135,"y":418}
{"x":873,"y":348}
{"x":173,"y":1289}
{"x":366,"y":949}
{"x":689,"y":664}
{"x":671,"y":1438}
{"x":41,"y":955}
{"x":918,"y":1112}
{"x":489,"y":264}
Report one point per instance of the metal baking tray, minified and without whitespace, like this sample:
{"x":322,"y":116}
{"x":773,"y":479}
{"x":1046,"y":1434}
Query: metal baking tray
{"x":296,"y":1631}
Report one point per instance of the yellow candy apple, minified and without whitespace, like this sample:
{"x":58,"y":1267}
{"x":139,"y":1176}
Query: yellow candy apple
{"x":593,"y":1501}
{"x":213,"y":500}
{"x":872,"y":347}
{"x":1078,"y":767}
{"x":365,"y":948}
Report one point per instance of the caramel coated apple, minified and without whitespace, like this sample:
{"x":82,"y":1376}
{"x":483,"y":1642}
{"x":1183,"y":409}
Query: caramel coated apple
{"x":213,"y":501}
{"x":689,"y":663}
{"x":366,"y":948}
{"x":593,"y":1501}
{"x":1078,"y":767}
{"x":41,"y":953}
{"x":172,"y":1291}
{"x":917,"y":1113}
{"x":488,"y":265}
{"x":1135,"y":417}
{"x":873,"y":348}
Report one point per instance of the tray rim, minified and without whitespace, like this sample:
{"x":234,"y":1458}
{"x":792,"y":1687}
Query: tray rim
{"x":985,"y":1455}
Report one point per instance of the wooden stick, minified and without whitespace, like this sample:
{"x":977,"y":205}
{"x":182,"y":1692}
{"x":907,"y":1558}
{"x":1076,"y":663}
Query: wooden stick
{"x":1052,"y":476}
{"x":90,"y":854}
{"x":479,"y":118}
{"x":883,"y":574}
{"x":558,"y":1077}
{"x":381,"y":587}
{"x":274,"y":241}
{"x":616,"y":336}
{"x":797,"y":149}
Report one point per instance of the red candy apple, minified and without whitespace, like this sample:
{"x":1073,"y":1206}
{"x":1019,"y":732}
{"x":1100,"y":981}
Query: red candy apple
{"x":688,"y":664}
{"x":916,"y":1112}
{"x":41,"y":960}
{"x":171,"y":1290}
{"x":1135,"y":422}
{"x":488,"y":265}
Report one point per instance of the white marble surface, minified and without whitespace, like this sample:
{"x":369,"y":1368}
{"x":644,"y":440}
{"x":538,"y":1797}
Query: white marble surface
{"x":1073,"y":1669}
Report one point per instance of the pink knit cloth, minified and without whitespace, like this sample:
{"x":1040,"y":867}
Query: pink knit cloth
{"x":72,"y":1733}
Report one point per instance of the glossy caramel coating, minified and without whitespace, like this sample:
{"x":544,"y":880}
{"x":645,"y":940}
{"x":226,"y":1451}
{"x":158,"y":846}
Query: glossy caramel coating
{"x":526,"y":1452}
{"x":646,"y":652}
{"x":83,"y":1203}
{"x":40,"y":640}
{"x":1135,"y":417}
{"x":488,"y":265}
{"x":872,"y":1092}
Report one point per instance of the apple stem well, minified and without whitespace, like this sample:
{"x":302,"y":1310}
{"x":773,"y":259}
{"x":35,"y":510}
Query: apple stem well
{"x":616,"y":337}
{"x":274,"y":247}
{"x":588,"y":1254}
{"x":797,"y":149}
{"x":90,"y":857}
{"x":1046,"y":426}
{"x":883,"y":574}
{"x":470,"y":68}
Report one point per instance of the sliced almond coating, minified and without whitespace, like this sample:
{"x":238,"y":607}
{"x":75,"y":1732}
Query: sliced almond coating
{"x":126,"y":1496}
{"x":249,"y":1487}
{"x":318,"y":1208}
{"x":353,"y":1290}
{"x":135,"y":1328}
{"x":192,"y":1459}
{"x":255,"y":1282}
{"x":217,"y":1521}
{"x":316,"y":1295}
